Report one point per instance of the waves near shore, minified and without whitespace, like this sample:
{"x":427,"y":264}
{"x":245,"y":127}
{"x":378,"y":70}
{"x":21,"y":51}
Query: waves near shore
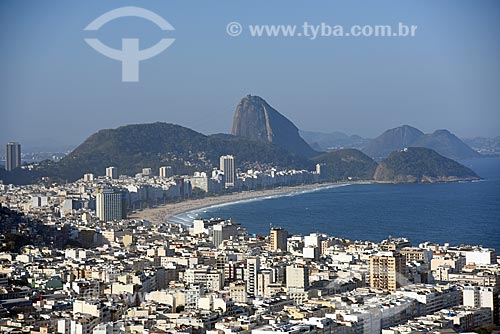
{"x":186,"y":218}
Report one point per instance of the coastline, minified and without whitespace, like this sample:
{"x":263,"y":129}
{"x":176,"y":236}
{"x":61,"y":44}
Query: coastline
{"x":163,"y":213}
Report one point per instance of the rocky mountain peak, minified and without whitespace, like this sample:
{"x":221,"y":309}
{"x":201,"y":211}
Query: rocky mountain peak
{"x":255,"y":119}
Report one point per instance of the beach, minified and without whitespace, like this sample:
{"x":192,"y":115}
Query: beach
{"x":162,"y":213}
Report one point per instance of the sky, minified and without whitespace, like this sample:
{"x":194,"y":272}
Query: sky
{"x":57,"y":90}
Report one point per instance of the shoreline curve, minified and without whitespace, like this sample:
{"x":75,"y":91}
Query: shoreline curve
{"x":166,"y":212}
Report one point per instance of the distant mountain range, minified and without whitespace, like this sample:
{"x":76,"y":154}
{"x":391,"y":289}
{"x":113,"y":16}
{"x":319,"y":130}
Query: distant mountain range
{"x":392,"y":140}
{"x":321,"y":141}
{"x":442,"y":141}
{"x":262,"y":137}
{"x":485,"y":146}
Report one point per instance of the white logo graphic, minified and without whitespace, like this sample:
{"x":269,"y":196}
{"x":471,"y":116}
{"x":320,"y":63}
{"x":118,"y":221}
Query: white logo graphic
{"x":130,"y":55}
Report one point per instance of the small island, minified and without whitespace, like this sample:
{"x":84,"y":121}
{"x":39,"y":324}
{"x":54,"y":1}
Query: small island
{"x":421,"y":165}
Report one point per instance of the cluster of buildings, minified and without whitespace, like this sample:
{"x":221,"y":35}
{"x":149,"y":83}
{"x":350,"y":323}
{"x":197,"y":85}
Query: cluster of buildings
{"x":72,"y":263}
{"x":130,"y":276}
{"x":112,"y":196}
{"x":227,"y":177}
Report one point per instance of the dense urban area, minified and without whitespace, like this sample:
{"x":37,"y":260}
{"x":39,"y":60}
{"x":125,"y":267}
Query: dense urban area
{"x":71,"y":262}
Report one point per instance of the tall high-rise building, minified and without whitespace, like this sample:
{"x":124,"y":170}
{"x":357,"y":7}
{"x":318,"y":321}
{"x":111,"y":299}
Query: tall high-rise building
{"x":166,"y":172}
{"x":321,"y":171}
{"x":111,"y":204}
{"x":253,"y":268}
{"x":112,"y":172}
{"x":227,"y":167}
{"x":388,"y":270}
{"x":13,"y":154}
{"x":278,"y":238}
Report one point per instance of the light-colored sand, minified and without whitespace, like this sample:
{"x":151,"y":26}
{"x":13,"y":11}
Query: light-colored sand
{"x":162,"y":213}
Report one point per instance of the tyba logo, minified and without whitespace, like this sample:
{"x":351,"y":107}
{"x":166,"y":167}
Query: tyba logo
{"x":130,"y":55}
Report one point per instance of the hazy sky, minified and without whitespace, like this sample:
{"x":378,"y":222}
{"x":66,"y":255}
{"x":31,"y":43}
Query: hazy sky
{"x":55,"y":87}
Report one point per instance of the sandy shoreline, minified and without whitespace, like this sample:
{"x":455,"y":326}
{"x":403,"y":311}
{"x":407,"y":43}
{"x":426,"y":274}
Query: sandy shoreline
{"x":161,"y":213}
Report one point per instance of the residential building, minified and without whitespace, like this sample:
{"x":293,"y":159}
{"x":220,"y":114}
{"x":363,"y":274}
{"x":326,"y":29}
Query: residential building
{"x":278,"y":239}
{"x":482,"y":296}
{"x":252,"y":270}
{"x":166,"y":172}
{"x":387,"y":270}
{"x":112,"y":173}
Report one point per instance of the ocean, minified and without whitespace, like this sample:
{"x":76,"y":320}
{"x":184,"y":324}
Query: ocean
{"x":454,"y":213}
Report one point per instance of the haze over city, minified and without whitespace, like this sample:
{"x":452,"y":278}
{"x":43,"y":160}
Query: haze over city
{"x":56,"y":89}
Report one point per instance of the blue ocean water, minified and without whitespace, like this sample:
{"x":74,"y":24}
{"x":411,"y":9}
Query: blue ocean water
{"x":457,"y":213}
